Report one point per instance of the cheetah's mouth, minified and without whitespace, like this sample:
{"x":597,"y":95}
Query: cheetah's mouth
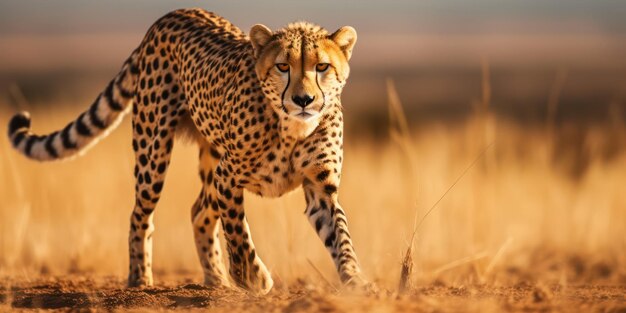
{"x":305,"y":114}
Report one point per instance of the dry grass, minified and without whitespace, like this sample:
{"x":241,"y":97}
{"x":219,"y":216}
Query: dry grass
{"x":529,"y":211}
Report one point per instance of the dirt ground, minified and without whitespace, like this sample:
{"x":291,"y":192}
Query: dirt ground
{"x":105,"y":293}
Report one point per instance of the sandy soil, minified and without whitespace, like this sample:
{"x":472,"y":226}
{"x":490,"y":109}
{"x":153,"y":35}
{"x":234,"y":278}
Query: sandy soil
{"x":101,"y":293}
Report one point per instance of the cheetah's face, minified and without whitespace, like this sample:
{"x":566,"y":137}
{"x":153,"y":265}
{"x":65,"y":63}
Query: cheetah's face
{"x":302,"y":68}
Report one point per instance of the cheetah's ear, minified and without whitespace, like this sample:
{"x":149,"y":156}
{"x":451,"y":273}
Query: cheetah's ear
{"x":260,"y":36}
{"x":345,"y":38}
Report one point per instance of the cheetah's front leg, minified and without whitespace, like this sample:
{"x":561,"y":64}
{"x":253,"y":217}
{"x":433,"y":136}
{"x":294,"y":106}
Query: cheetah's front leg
{"x":330,"y":222}
{"x":246,"y":268}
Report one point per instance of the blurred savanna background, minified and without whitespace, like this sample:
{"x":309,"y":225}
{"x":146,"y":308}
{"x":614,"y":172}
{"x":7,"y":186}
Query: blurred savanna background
{"x":492,"y":130}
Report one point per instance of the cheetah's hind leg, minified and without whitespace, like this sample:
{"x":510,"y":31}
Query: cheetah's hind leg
{"x":205,"y":219}
{"x":155,"y":120}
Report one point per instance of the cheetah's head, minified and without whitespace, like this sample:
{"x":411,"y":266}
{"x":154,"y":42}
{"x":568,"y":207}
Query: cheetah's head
{"x":302,"y":68}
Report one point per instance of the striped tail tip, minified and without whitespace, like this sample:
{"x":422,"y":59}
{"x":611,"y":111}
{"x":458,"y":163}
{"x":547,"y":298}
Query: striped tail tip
{"x":18,"y":122}
{"x":19,"y":126}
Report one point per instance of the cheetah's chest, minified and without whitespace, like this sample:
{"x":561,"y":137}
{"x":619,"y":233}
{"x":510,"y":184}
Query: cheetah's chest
{"x":273,"y":178}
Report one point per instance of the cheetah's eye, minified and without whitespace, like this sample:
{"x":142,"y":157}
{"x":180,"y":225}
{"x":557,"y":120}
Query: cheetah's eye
{"x":282,"y":67}
{"x":321,"y":67}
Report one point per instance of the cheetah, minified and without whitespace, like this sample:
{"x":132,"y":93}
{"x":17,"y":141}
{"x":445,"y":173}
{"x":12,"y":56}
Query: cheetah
{"x":266,"y":113}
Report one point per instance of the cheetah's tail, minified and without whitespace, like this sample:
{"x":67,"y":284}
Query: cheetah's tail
{"x":103,"y":115}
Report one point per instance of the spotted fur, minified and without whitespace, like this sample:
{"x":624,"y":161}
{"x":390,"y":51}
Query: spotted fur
{"x":258,"y":126}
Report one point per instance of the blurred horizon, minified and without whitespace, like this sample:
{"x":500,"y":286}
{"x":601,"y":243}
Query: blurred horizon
{"x":67,"y":16}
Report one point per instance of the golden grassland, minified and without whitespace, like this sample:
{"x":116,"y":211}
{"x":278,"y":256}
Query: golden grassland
{"x":528,"y":205}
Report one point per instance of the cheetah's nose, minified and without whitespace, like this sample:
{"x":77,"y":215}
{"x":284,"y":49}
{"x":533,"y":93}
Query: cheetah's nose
{"x":302,"y":101}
